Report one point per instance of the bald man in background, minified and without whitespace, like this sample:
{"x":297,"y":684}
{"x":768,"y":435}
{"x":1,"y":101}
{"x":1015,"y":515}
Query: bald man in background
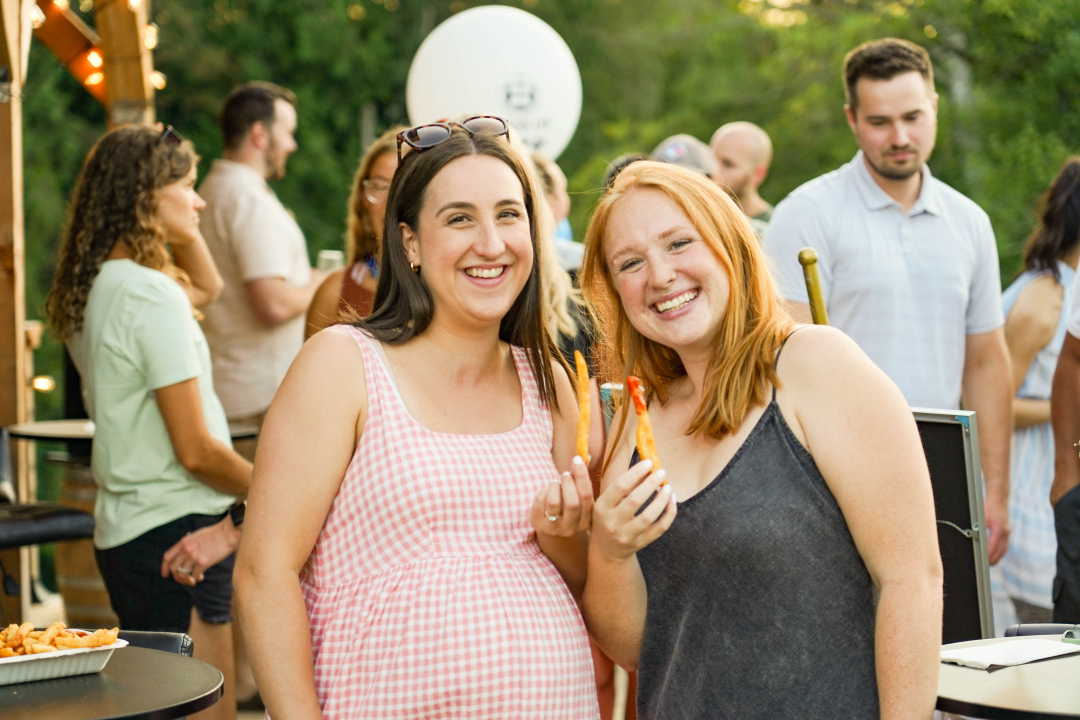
{"x":744,"y":152}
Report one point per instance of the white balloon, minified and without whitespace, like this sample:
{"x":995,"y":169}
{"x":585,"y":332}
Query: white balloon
{"x":497,"y":60}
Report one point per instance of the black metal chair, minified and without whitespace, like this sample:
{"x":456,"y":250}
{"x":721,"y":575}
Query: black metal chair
{"x":171,"y":642}
{"x":1039,"y":629}
{"x":36,"y":523}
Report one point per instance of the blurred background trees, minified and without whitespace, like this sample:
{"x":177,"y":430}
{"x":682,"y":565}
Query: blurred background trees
{"x":1006,"y":70}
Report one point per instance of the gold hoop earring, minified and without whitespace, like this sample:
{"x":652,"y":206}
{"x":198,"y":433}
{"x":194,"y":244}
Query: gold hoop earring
{"x":414,"y":268}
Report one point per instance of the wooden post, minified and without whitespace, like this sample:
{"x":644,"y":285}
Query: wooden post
{"x":129,"y":95}
{"x":12,"y":291}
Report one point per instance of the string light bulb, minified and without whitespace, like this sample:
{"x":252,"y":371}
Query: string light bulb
{"x":95,"y":78}
{"x":43,"y":383}
{"x":157,"y":79}
{"x":94,"y":58}
{"x":134,"y":5}
{"x":150,"y":36}
{"x":37,"y":17}
{"x":62,"y":4}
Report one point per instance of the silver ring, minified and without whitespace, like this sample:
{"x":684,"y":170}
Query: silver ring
{"x":553,"y":518}
{"x":184,"y":570}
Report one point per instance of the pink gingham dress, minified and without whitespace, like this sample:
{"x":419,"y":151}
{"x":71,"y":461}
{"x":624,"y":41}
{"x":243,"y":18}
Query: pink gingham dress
{"x":427,"y":591}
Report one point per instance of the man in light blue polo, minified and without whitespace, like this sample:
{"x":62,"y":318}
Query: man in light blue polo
{"x":909,"y":266}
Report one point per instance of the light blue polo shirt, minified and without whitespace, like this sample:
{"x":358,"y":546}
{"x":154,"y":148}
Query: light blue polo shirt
{"x":907,"y":287}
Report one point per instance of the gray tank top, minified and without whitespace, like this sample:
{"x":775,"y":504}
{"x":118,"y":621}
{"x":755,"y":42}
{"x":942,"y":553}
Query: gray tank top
{"x":759,"y":604}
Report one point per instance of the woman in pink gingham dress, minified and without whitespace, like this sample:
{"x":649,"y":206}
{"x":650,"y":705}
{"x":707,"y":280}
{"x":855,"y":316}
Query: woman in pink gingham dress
{"x":407,"y":502}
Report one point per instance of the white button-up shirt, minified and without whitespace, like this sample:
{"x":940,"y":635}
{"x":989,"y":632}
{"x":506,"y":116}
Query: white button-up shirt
{"x":908,"y":287}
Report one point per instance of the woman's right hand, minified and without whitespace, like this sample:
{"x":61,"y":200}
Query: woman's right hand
{"x":618,"y":532}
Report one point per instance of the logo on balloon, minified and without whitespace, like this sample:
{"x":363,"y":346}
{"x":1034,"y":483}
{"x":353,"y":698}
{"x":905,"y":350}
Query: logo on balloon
{"x":520,"y":93}
{"x":498,"y":60}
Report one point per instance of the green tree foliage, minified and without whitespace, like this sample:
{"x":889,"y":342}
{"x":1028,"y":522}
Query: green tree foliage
{"x":1005,"y":70}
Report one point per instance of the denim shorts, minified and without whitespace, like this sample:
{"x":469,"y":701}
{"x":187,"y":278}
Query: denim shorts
{"x":143,"y":600}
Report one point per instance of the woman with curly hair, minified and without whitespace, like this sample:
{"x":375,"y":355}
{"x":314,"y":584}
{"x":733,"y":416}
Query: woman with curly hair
{"x":162,"y":457}
{"x":352,"y":288}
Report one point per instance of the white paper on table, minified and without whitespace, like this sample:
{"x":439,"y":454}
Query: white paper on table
{"x":1004,"y":654}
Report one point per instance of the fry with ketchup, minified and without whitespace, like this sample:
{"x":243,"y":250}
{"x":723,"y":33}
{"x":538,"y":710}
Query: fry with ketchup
{"x":646,"y":443}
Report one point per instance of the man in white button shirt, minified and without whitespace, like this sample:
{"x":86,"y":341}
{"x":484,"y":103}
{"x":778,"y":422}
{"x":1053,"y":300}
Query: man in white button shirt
{"x":909,"y":266}
{"x":256,"y":326}
{"x":1065,"y":492}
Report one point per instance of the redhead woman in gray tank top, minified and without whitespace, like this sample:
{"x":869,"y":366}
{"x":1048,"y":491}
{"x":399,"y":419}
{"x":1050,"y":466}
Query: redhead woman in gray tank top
{"x":784,"y":562}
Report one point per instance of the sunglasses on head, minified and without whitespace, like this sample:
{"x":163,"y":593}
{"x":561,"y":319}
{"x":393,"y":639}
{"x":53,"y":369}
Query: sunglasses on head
{"x":423,"y":137}
{"x":169,"y":136}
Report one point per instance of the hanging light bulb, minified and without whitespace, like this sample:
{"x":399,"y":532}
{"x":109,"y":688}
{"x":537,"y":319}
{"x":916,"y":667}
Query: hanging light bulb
{"x":37,"y":17}
{"x":157,"y":80}
{"x":94,"y":58}
{"x":150,"y":36}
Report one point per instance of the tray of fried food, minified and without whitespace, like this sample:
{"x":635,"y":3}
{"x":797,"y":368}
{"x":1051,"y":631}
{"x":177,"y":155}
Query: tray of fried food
{"x":27,"y":654}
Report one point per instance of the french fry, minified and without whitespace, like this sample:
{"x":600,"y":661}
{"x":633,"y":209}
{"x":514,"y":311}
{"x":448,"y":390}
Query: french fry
{"x":38,"y":649}
{"x":7,"y":632}
{"x":16,"y":638}
{"x":584,"y":406}
{"x":6,"y":652}
{"x":646,"y":443}
{"x":51,"y":632}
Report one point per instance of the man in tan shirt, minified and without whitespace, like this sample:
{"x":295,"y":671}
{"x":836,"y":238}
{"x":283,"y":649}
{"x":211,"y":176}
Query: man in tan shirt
{"x":256,"y":326}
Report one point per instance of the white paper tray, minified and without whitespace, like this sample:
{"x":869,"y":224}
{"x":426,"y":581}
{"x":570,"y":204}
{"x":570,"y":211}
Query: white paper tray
{"x":62,"y":663}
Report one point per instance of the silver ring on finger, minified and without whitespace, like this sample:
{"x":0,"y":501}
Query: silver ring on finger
{"x":552,"y":518}
{"x":184,"y":570}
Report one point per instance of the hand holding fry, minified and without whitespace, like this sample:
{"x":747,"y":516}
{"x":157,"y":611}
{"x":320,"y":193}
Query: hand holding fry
{"x":632,"y":512}
{"x":564,"y":507}
{"x":24,"y":640}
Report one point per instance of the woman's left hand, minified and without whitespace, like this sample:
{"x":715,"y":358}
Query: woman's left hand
{"x":189,"y":558}
{"x":564,"y":508}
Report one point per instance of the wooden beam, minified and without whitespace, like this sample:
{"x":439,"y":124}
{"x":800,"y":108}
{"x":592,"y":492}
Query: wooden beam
{"x":129,"y":94}
{"x":74,"y":44}
{"x":13,"y":397}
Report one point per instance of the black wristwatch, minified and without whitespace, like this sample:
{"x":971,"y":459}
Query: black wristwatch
{"x":236,"y":513}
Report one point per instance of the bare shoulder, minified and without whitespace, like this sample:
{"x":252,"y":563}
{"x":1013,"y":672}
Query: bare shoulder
{"x":1039,"y":304}
{"x":565,"y":392}
{"x":822,"y":370}
{"x":816,"y":353}
{"x":331,"y":364}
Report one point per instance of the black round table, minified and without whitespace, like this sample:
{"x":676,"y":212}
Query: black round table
{"x":1043,"y":690}
{"x":136,"y":684}
{"x":84,"y":430}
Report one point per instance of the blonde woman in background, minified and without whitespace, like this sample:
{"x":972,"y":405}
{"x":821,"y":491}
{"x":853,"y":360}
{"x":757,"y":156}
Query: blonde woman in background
{"x":353,"y":286}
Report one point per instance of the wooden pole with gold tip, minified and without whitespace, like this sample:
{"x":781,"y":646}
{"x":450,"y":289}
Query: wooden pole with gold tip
{"x":808,"y":260}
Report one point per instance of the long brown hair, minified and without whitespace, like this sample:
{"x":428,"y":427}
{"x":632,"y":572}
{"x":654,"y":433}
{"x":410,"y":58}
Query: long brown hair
{"x":361,"y":241}
{"x":753,"y":325}
{"x":403,"y":303}
{"x":115,"y":200}
{"x":1058,"y":231}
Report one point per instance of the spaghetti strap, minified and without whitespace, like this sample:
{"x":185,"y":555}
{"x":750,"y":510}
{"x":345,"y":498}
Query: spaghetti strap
{"x":780,"y":350}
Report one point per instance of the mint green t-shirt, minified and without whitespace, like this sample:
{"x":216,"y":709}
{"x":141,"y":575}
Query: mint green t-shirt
{"x":139,"y":335}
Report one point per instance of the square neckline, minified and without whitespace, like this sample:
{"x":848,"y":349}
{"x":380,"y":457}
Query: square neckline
{"x":389,"y":377}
